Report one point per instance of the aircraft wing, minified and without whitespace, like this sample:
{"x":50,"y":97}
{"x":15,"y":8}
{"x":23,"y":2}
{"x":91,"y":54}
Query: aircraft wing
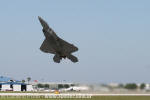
{"x":67,"y":47}
{"x":46,"y":47}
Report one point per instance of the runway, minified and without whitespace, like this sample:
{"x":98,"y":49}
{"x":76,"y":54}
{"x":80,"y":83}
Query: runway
{"x":68,"y":94}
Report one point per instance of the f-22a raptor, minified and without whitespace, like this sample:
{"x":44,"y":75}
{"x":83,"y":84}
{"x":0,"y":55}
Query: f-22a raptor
{"x":55,"y":45}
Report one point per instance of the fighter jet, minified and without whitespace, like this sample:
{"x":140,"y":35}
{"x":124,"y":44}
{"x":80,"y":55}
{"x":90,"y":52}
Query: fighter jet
{"x":55,"y":45}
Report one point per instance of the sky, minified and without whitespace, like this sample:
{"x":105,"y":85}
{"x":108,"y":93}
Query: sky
{"x":113,"y":37}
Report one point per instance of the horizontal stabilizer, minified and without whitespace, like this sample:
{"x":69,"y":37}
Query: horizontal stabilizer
{"x":72,"y":58}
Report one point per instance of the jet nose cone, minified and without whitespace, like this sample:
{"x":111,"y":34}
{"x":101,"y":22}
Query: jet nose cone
{"x":40,"y":19}
{"x":43,"y":23}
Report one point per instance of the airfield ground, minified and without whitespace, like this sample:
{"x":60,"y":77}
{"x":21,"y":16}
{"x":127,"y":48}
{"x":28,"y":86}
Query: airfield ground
{"x":41,"y":96}
{"x":93,"y":98}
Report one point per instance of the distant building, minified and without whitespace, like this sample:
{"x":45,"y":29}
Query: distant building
{"x":5,"y":79}
{"x":113,"y":85}
{"x":147,"y":86}
{"x":7,"y":84}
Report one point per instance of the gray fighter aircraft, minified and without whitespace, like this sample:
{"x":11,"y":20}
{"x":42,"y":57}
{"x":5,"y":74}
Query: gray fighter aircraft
{"x":55,"y":45}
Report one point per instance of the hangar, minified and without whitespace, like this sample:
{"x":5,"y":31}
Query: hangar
{"x":7,"y":84}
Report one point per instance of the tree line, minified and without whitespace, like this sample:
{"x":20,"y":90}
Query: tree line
{"x":132,"y":86}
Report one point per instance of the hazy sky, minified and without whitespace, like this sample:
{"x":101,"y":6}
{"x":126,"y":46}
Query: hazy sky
{"x":113,"y":37}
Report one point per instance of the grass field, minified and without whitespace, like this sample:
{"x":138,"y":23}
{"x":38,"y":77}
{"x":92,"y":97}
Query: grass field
{"x":93,"y":98}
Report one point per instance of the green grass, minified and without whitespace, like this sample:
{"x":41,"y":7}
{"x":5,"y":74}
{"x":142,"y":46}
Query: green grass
{"x":121,"y":98}
{"x":93,"y":98}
